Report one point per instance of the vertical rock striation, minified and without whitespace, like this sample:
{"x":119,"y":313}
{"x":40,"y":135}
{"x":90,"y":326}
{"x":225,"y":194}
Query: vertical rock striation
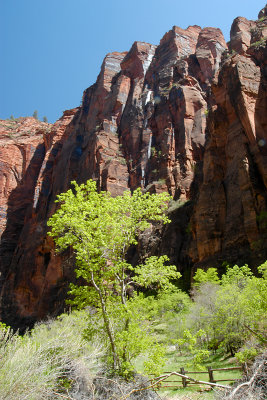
{"x":187,"y":116}
{"x":233,"y":226}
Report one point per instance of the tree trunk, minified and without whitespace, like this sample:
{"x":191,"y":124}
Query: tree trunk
{"x":108,"y":328}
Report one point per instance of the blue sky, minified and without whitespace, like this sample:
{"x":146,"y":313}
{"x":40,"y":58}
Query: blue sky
{"x":52,"y":50}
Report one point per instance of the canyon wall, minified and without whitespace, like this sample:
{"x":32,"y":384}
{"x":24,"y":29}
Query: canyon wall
{"x":187,"y":116}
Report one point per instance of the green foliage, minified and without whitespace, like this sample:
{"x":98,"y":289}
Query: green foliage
{"x":35,"y":114}
{"x":155,"y":360}
{"x":168,"y":305}
{"x":153,"y":151}
{"x":202,"y":277}
{"x":190,"y":342}
{"x":122,"y":161}
{"x":155,"y":273}
{"x":230,"y":309}
{"x":3,"y":327}
{"x":100,"y":229}
{"x":237,"y":276}
{"x":263,"y":270}
{"x":246,"y":355}
{"x":259,"y":43}
{"x":45,"y":119}
{"x":161,"y":181}
{"x":230,"y":318}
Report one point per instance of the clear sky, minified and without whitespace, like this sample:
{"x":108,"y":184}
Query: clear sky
{"x":52,"y":50}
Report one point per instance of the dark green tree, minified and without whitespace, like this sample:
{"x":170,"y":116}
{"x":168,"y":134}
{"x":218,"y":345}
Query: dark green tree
{"x":35,"y":114}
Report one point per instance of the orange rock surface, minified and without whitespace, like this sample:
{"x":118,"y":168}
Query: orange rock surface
{"x":187,"y":116}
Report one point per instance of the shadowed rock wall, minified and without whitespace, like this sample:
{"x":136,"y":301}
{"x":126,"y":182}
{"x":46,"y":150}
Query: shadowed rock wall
{"x":187,"y":116}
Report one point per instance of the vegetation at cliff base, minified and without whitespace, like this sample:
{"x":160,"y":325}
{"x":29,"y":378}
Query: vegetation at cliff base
{"x":131,"y":318}
{"x":59,"y":359}
{"x":225,"y":314}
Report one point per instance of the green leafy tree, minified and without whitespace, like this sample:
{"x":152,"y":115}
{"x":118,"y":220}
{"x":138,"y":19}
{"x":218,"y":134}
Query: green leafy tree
{"x":231,"y":309}
{"x":236,"y":275}
{"x":263,"y":270}
{"x":35,"y":114}
{"x":100,"y":229}
{"x":191,"y":343}
{"x":45,"y":119}
{"x":211,"y":275}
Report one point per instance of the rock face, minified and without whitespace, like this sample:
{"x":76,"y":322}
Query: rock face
{"x":28,"y":150}
{"x":21,"y":155}
{"x":233,"y":226}
{"x":187,"y":116}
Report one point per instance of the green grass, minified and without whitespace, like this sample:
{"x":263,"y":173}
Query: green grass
{"x":175,"y":361}
{"x":187,"y":394}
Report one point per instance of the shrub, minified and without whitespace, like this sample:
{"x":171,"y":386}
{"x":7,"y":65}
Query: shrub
{"x":51,"y":358}
{"x":161,"y":181}
{"x":35,"y":114}
{"x":231,"y":309}
{"x":175,"y":204}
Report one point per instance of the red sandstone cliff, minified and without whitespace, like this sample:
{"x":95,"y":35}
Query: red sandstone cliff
{"x":187,"y":116}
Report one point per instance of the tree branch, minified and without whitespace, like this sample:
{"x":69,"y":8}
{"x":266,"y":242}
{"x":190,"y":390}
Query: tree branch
{"x":249,"y":383}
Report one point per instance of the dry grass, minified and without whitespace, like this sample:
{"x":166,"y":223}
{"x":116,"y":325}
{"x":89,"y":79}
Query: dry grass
{"x":51,"y":359}
{"x":114,"y":388}
{"x":192,"y":396}
{"x":54,"y":361}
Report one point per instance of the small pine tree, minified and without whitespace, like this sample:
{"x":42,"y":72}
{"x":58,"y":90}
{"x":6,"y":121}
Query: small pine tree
{"x":12,"y":117}
{"x":35,"y":114}
{"x":45,"y":119}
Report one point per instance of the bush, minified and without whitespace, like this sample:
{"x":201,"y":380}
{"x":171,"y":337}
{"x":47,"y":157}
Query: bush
{"x":119,"y":389}
{"x":229,"y":310}
{"x":52,"y":358}
{"x":35,"y":114}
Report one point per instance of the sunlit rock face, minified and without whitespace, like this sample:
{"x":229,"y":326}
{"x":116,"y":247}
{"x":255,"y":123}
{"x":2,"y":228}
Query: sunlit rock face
{"x":233,"y":225}
{"x":187,"y":116}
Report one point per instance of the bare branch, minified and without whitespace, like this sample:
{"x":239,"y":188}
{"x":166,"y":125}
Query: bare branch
{"x":249,"y":383}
